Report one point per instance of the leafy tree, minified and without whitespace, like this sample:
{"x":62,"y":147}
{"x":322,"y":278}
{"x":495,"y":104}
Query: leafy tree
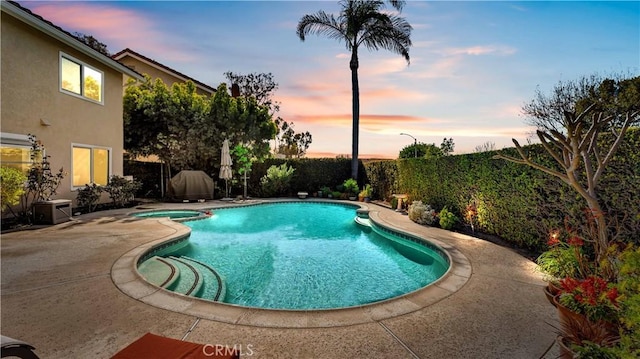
{"x":447,"y":146}
{"x":261,"y":86}
{"x":186,"y":130}
{"x":485,"y":147}
{"x":288,"y":142}
{"x":360,"y":23}
{"x":244,"y":160}
{"x":93,"y":43}
{"x":421,"y":150}
{"x":581,"y":124}
{"x":242,"y":120}
{"x":170,"y":123}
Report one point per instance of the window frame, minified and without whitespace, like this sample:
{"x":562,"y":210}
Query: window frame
{"x":18,"y":141}
{"x":91,"y":162}
{"x":82,"y":65}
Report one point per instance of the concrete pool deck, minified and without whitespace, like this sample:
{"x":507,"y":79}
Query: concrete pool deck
{"x":59,"y":293}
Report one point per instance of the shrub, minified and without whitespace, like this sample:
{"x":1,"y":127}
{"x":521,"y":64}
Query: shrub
{"x":325,"y":191}
{"x":448,"y":220}
{"x":629,"y":282}
{"x":11,"y":186}
{"x":42,"y":182}
{"x":558,"y":262}
{"x":89,"y":196}
{"x":277,"y":181}
{"x":350,"y":186}
{"x":121,"y":190}
{"x":422,"y":213}
{"x":367,"y":191}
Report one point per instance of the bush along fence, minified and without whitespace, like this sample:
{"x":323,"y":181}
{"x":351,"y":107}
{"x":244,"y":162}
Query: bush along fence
{"x":518,"y":203}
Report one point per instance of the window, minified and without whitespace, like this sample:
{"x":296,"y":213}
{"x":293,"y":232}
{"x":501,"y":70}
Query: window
{"x":91,"y":165}
{"x":15,"y":151}
{"x":79,"y":79}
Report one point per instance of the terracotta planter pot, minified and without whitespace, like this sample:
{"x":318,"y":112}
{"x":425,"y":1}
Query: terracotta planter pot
{"x":577,"y":327}
{"x":550,"y":295}
{"x":565,"y":349}
{"x":554,"y":288}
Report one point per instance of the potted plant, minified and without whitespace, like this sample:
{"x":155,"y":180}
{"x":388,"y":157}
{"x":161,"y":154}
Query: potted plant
{"x":366,"y":193}
{"x":324,"y":191}
{"x":351,"y":188}
{"x":565,"y":258}
{"x":588,"y":310}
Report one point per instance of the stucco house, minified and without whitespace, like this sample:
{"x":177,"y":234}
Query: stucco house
{"x":154,"y":69}
{"x":66,"y":94}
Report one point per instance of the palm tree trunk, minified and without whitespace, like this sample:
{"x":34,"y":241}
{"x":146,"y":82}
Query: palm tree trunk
{"x":355,"y":93}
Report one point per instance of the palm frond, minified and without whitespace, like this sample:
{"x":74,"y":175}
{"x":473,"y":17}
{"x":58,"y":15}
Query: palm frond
{"x":391,"y":33}
{"x":320,"y":23}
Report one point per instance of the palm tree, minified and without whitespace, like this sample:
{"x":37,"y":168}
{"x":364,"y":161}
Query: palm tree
{"x":360,"y":23}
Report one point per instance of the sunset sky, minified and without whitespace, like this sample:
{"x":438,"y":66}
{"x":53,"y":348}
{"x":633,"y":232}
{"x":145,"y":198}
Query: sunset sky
{"x":473,"y":64}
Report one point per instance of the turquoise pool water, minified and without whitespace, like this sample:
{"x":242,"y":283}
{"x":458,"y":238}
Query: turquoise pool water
{"x":173,"y":214}
{"x":307,"y":256}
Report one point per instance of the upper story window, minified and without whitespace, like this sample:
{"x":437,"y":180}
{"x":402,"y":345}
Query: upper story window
{"x":80,"y":79}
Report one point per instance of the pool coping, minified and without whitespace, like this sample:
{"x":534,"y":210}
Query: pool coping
{"x":127,"y":279}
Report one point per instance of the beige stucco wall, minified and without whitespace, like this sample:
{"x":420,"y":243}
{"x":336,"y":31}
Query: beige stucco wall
{"x":30,"y":93}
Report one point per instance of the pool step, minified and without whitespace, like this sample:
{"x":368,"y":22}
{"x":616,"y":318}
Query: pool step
{"x":189,"y":282}
{"x":213,"y":287}
{"x":159,"y":271}
{"x":184,"y":275}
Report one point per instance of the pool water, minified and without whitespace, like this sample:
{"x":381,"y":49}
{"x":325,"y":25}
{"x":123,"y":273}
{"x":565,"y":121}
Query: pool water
{"x":173,"y":214}
{"x":307,"y":256}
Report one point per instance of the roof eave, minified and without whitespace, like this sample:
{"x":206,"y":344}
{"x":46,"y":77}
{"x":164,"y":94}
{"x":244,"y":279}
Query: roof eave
{"x":163,"y":68}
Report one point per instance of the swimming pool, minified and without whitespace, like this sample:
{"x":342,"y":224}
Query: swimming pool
{"x":175,"y":214}
{"x":308,"y":255}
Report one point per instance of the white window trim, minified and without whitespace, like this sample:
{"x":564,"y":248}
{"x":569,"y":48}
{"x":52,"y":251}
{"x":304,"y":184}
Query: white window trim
{"x":81,"y":145}
{"x":82,"y":66}
{"x":14,"y":139}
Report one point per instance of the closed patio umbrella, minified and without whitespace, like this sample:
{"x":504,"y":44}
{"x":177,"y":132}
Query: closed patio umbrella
{"x":225,"y":166}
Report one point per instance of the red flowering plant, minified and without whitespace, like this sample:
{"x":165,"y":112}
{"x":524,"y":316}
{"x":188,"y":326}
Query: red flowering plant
{"x":594,"y":297}
{"x":565,"y":257}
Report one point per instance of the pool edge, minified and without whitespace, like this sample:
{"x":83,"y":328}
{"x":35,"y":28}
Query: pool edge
{"x":125,"y":276}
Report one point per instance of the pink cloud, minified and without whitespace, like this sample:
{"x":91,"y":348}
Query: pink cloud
{"x":479,"y":50}
{"x":329,"y":154}
{"x":117,"y":28}
{"x":365,"y":120}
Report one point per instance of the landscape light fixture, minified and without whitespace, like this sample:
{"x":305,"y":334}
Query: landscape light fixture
{"x":415,"y":144}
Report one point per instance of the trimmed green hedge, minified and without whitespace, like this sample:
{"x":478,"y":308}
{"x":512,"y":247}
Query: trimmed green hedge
{"x":522,"y":204}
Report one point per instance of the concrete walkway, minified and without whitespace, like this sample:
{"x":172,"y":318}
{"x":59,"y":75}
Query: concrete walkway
{"x":58,"y":294}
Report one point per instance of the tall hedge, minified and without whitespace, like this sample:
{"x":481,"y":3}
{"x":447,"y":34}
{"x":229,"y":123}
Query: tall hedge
{"x":522,"y":204}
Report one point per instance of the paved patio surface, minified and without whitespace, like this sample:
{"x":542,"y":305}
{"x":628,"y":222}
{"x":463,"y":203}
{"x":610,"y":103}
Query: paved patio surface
{"x":59,"y":293}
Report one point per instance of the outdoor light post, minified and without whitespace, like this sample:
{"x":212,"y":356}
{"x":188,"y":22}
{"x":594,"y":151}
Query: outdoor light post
{"x":415,"y":144}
